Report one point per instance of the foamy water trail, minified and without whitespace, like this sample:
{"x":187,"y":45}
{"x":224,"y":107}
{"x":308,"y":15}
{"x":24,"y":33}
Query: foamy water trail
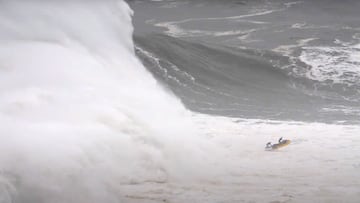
{"x":79,"y":114}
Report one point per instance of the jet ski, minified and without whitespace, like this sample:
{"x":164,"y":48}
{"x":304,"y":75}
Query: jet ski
{"x":280,"y":144}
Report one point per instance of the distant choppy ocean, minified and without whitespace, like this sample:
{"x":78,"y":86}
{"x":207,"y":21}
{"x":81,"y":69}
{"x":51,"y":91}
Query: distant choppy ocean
{"x":283,"y":60}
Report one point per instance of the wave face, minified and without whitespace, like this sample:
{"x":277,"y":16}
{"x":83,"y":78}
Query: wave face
{"x":80,"y":116}
{"x":243,"y":82}
{"x":254,"y":59}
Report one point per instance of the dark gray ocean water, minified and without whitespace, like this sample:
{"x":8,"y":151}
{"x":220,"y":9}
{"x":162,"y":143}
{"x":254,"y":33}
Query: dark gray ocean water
{"x":275,"y":59}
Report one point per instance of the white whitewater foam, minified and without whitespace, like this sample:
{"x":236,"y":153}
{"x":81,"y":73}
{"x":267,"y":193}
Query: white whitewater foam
{"x":320,"y":165}
{"x":79,"y":114}
{"x":335,"y":64}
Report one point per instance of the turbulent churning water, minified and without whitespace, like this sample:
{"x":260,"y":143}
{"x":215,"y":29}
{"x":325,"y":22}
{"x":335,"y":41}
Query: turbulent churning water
{"x":83,"y":120}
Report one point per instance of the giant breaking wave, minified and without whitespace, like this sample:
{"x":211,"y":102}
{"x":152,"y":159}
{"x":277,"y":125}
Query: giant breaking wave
{"x":79,"y":113}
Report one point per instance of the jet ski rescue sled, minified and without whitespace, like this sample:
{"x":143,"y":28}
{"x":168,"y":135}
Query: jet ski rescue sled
{"x":282,"y":143}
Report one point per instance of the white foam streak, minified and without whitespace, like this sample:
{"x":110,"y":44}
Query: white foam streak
{"x":174,"y":28}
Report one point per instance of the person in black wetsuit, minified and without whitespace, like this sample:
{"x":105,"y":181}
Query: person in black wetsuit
{"x":268,"y":145}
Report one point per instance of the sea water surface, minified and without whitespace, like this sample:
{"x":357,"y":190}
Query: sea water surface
{"x":287,"y":60}
{"x":174,"y":101}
